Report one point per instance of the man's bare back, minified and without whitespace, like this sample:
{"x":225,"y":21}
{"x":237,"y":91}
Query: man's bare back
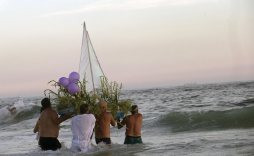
{"x":133,"y":126}
{"x":49,"y":126}
{"x":102,"y":127}
{"x":133,"y":123}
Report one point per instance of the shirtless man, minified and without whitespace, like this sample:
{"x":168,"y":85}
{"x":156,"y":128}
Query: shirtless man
{"x":133,"y":123}
{"x":49,"y":124}
{"x":102,"y":125}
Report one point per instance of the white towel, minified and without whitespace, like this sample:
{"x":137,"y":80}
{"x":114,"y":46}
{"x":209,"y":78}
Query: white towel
{"x":38,"y":135}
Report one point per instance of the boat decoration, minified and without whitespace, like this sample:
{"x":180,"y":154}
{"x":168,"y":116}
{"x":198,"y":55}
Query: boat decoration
{"x":88,"y":86}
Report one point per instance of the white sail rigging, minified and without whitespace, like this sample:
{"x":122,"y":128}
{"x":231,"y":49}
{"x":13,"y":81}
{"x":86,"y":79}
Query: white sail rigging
{"x":89,"y":64}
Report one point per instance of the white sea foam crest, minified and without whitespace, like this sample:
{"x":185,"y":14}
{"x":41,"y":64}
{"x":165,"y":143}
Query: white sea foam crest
{"x":6,"y":115}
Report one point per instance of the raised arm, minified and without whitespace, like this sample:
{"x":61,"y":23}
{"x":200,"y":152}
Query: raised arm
{"x":62,"y":118}
{"x":119,"y":126}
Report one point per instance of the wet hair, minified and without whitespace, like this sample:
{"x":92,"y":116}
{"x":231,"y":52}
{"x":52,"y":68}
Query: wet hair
{"x":84,"y":108}
{"x":134,"y":109}
{"x":42,"y":108}
{"x":45,"y":103}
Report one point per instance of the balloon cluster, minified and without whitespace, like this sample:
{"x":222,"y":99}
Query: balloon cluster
{"x":70,"y":83}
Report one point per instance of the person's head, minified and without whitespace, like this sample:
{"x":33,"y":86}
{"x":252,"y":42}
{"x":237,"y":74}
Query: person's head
{"x":84,"y":109}
{"x":103,"y":105}
{"x":45,"y":103}
{"x":134,"y":109}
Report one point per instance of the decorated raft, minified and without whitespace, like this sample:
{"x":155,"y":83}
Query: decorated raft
{"x":88,"y":86}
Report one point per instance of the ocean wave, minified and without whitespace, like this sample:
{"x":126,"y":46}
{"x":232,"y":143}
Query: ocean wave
{"x":208,"y":120}
{"x":22,"y":112}
{"x":245,"y":102}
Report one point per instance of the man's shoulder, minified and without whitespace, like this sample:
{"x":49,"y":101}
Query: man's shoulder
{"x":49,"y":112}
{"x":104,"y":115}
{"x":52,"y":111}
{"x":134,"y":116}
{"x":140,"y":115}
{"x":107,"y":114}
{"x":89,"y":116}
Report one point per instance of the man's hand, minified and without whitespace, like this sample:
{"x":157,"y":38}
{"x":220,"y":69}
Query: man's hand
{"x":68,"y":115}
{"x":121,"y":124}
{"x":118,"y":119}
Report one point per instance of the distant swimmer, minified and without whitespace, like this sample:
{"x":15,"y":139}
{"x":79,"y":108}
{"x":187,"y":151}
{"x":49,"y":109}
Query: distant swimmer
{"x":102,"y":126}
{"x":49,"y":126}
{"x":12,"y":110}
{"x":133,"y":123}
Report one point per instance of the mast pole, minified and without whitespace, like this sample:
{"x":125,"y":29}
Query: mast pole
{"x":89,"y":57}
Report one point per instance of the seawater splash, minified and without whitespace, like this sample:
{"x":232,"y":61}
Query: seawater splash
{"x":23,"y":111}
{"x":5,"y":113}
{"x":208,"y":120}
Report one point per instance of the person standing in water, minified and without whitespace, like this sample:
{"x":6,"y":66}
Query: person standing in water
{"x":102,"y":126}
{"x":133,"y":123}
{"x":82,"y":129}
{"x":49,"y":122}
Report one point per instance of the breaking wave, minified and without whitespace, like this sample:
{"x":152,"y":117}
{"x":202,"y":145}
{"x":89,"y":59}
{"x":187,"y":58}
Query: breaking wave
{"x":22,"y":112}
{"x":208,"y":120}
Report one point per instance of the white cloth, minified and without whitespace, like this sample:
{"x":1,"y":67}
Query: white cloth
{"x":82,"y":129}
{"x":37,"y":136}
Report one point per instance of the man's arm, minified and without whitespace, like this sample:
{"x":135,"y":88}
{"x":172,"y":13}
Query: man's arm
{"x":119,"y":126}
{"x":62,"y":118}
{"x":36,"y":127}
{"x":112,"y":122}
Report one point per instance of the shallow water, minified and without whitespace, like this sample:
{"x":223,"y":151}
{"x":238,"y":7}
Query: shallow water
{"x":211,"y":119}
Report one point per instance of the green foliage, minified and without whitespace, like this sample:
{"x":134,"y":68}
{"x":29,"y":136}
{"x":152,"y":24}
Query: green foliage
{"x":125,"y":105}
{"x":108,"y":91}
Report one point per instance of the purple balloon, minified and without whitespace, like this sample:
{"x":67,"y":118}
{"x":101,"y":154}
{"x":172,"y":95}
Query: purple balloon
{"x":64,"y":81}
{"x":73,"y":88}
{"x":74,"y":77}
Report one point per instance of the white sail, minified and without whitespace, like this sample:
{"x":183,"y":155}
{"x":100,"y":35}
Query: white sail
{"x":89,"y":64}
{"x":96,"y":67}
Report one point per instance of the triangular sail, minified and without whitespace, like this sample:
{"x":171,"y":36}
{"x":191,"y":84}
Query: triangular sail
{"x":96,"y":67}
{"x":89,"y":64}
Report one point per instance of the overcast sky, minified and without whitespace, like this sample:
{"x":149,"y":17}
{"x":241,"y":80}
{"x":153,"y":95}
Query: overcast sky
{"x":140,"y":43}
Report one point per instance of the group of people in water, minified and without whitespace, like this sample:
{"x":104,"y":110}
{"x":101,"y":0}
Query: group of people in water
{"x":83,"y":126}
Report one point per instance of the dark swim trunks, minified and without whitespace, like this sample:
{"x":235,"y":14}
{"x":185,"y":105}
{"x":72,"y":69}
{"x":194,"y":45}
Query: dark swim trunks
{"x":105,"y":140}
{"x":49,"y":143}
{"x":132,"y":140}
